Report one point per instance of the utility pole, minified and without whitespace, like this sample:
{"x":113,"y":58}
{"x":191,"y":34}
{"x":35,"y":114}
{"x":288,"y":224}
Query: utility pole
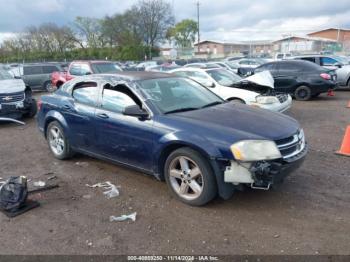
{"x":198,"y":35}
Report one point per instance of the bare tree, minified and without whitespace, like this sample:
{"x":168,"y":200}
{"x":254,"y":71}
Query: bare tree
{"x":156,"y":17}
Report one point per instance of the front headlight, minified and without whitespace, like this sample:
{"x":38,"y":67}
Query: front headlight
{"x":255,"y":150}
{"x":266,"y":99}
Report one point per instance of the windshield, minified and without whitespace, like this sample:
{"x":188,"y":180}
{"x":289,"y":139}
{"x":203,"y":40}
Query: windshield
{"x":224,"y":77}
{"x":4,"y":75}
{"x":172,"y":95}
{"x":100,"y":68}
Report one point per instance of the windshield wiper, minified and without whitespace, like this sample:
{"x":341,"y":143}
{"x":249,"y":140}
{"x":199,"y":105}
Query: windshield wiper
{"x":213,"y":104}
{"x":181,"y":110}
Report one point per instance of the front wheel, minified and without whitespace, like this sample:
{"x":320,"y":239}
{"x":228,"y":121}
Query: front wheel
{"x":58,"y":143}
{"x":302,"y":93}
{"x":190,"y":177}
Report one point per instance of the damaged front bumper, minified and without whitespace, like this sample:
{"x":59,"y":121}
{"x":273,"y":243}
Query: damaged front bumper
{"x":262,"y":174}
{"x":14,"y":110}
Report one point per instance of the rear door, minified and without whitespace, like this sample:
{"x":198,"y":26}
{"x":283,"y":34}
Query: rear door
{"x":79,"y":111}
{"x":122,"y":138}
{"x":285,"y":77}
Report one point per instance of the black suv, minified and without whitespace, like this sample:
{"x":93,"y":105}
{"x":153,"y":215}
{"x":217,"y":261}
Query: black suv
{"x":301,"y":79}
{"x":37,"y":76}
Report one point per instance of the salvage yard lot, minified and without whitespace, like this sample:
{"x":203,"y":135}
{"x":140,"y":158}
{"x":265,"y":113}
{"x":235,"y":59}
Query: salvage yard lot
{"x":308,"y":214}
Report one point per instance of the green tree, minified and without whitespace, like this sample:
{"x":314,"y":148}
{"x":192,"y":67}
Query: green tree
{"x":184,"y":32}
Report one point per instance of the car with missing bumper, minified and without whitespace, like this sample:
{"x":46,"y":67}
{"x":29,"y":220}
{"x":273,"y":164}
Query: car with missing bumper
{"x":15,"y":98}
{"x":257,"y":90}
{"x":175,"y":129}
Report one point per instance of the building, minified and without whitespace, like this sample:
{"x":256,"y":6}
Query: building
{"x":220,"y":49}
{"x":303,"y":44}
{"x":342,"y":36}
{"x":336,"y":34}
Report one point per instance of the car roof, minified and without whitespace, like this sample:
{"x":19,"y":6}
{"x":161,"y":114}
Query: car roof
{"x":126,"y":76}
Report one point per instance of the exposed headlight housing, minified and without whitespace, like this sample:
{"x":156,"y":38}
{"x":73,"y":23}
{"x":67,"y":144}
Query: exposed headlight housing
{"x":255,"y":150}
{"x":267,"y":99}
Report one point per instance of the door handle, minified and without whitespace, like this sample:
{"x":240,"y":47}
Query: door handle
{"x":103,"y":116}
{"x":66,"y":107}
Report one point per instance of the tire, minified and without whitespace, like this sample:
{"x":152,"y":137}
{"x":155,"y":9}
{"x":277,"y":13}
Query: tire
{"x":33,"y":109}
{"x":49,"y":87}
{"x":194,"y":189}
{"x":58,"y":143}
{"x":302,"y":93}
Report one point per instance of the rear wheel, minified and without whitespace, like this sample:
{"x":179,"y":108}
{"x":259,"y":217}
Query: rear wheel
{"x":302,"y":93}
{"x":58,"y":143}
{"x":190,"y":177}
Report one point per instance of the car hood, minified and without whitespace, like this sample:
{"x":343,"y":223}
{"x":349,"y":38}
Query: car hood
{"x":262,"y":83}
{"x":237,"y":122}
{"x":12,"y":86}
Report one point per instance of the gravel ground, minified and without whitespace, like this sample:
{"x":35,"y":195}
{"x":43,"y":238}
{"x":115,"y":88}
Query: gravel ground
{"x":308,"y":214}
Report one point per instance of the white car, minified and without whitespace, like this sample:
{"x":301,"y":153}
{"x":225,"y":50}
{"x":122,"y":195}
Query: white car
{"x":225,"y":83}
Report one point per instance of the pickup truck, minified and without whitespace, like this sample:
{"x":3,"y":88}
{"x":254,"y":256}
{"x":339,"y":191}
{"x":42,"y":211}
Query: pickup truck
{"x":80,"y":68}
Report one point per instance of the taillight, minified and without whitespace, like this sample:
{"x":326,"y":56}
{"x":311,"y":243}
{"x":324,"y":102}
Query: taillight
{"x":39,"y":103}
{"x":326,"y":76}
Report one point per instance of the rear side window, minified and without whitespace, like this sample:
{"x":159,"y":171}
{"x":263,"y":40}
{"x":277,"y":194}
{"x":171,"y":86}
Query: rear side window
{"x":75,"y":70}
{"x":327,"y":61}
{"x":50,"y":69}
{"x":288,"y":67}
{"x":266,"y":67}
{"x":310,"y":59}
{"x":32,"y":70}
{"x":117,"y":98}
{"x":86,"y":93}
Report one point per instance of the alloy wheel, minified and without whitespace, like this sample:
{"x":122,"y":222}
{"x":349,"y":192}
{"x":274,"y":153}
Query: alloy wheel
{"x":56,"y":140}
{"x":186,"y":178}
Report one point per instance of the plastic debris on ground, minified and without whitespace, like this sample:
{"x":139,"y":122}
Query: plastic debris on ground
{"x":82,"y":164}
{"x":39,"y":184}
{"x":111,"y":190}
{"x":123,"y":217}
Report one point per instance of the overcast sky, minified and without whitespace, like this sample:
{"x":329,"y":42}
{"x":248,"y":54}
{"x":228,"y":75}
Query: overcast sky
{"x":225,"y":20}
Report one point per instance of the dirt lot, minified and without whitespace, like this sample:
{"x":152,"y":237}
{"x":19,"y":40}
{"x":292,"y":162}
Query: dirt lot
{"x":309,"y":214}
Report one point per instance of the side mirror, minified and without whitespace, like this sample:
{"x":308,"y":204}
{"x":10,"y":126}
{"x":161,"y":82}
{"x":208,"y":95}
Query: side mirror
{"x":210,"y":84}
{"x":17,"y":77}
{"x":88,"y":73}
{"x":339,"y":65}
{"x":136,"y":111}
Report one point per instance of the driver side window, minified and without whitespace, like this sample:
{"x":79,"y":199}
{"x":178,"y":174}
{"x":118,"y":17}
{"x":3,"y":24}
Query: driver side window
{"x":117,"y":98}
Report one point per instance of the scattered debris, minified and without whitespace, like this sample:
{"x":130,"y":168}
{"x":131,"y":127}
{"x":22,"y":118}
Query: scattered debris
{"x":52,"y":177}
{"x":48,"y":173}
{"x":87,"y":196}
{"x":82,"y":164}
{"x":276,"y":236}
{"x":112,"y":190}
{"x":39,"y":184}
{"x":123,"y":217}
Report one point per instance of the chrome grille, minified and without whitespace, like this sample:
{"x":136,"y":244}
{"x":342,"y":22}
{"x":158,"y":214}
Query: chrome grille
{"x":291,"y":146}
{"x":11,"y":98}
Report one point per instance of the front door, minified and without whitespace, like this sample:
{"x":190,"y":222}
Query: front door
{"x":125,"y":139}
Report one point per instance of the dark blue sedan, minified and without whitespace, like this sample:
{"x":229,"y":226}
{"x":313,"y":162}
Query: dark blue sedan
{"x":175,"y":129}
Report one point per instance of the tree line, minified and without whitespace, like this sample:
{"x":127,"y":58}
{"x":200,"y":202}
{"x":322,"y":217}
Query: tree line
{"x":132,"y":35}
